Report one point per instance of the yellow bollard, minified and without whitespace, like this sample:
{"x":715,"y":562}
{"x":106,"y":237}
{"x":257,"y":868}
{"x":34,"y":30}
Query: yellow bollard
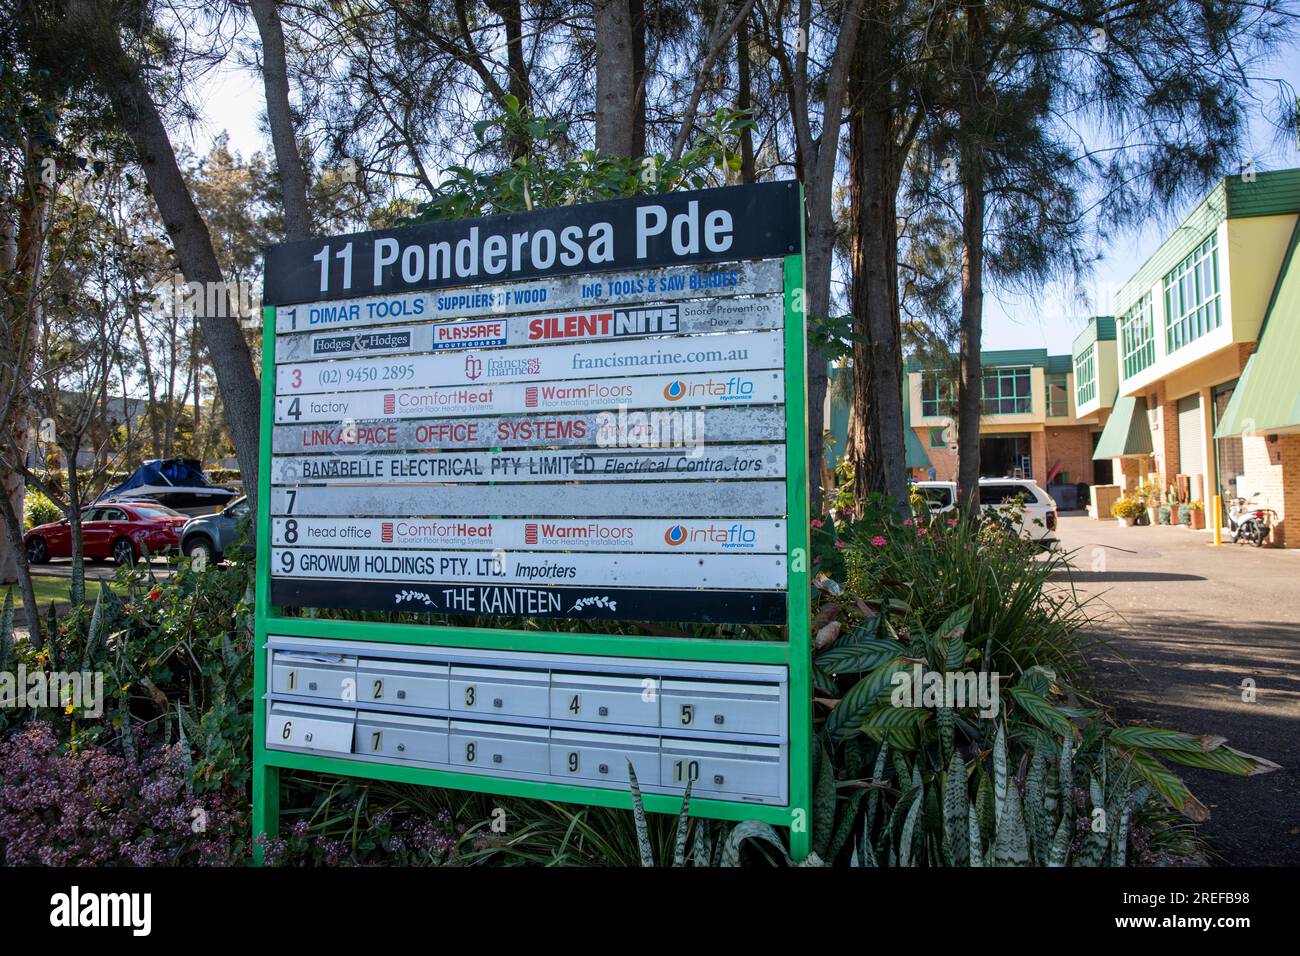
{"x":1218,"y":519}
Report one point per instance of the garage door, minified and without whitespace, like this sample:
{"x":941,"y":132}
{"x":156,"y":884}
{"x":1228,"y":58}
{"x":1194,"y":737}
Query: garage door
{"x":1191,"y":447}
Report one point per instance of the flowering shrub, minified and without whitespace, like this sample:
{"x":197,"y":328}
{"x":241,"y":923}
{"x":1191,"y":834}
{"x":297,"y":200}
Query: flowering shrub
{"x":95,"y":807}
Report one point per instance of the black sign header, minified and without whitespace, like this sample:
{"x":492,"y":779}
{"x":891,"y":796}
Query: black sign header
{"x":737,"y":222}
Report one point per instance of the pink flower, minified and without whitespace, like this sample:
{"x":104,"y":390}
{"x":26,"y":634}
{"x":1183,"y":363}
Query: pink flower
{"x":952,"y":522}
{"x":908,"y":522}
{"x":878,"y":541}
{"x":817,"y":522}
{"x":839,"y":544}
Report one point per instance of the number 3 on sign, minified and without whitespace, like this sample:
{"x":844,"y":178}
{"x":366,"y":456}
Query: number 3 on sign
{"x":323,"y":257}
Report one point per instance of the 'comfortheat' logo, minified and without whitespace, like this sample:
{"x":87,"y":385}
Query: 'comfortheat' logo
{"x":674,"y":390}
{"x":386,"y":532}
{"x":390,"y":404}
{"x":675,"y":535}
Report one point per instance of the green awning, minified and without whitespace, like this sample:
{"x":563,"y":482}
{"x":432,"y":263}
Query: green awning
{"x":914,"y":451}
{"x":1126,"y":433}
{"x":1267,"y":396}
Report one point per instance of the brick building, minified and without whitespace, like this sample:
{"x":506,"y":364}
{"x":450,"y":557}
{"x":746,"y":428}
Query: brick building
{"x":1206,"y":394}
{"x":1031,"y":425}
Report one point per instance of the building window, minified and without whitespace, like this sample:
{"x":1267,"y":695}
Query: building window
{"x":937,"y":439}
{"x":1085,"y":375}
{"x":936,"y":395}
{"x":1058,"y":395}
{"x":1007,"y":391}
{"x":1192,"y":296}
{"x":1137,"y":339}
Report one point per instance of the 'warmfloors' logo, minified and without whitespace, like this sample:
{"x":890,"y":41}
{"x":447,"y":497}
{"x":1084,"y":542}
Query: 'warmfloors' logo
{"x":75,"y":909}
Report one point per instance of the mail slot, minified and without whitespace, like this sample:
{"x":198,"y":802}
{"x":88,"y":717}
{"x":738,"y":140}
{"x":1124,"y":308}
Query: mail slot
{"x":324,"y":676}
{"x":714,"y":768}
{"x":422,"y":739}
{"x":297,"y":727}
{"x":401,"y":683}
{"x":710,"y":707}
{"x":478,"y":746}
{"x":497,"y":692}
{"x":604,"y":757}
{"x":605,"y":699}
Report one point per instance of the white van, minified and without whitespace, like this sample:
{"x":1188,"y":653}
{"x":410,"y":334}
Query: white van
{"x":1038,"y":510}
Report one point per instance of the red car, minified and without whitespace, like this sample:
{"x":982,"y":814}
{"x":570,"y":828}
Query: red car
{"x":114,"y":530}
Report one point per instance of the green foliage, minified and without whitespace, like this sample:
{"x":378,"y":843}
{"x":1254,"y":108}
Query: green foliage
{"x":544,"y":177}
{"x":38,"y":509}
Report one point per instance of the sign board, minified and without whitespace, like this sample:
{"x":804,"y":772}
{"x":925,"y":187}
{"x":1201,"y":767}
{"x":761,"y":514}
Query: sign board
{"x":587,"y":413}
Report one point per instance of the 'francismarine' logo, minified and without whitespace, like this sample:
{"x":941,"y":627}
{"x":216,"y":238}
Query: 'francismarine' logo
{"x":473,"y":367}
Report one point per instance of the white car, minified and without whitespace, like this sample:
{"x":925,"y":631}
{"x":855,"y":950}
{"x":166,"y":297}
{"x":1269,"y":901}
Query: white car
{"x":1037,"y":509}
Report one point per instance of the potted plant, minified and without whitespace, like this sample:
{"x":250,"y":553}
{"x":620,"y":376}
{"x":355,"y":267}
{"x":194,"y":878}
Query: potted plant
{"x":1163,"y":515}
{"x":1127,"y":510}
{"x":1193,"y":514}
{"x":1149,"y":495}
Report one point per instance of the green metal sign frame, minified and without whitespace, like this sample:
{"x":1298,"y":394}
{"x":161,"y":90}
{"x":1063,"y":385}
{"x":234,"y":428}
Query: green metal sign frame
{"x":794,"y":653}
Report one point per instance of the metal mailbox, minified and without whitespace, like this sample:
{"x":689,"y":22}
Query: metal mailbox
{"x":498,"y":692}
{"x":709,"y":707}
{"x":605,"y":699}
{"x":402,"y":684}
{"x":324,"y":676}
{"x":604,"y":757}
{"x":739,"y":770}
{"x":299,"y":727}
{"x":399,"y":737}
{"x":494,"y":747}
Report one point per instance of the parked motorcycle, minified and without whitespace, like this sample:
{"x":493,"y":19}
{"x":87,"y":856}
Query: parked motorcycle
{"x":1247,"y":522}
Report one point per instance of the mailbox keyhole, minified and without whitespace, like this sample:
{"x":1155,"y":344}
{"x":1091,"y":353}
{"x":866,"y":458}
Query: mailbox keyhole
{"x":603,"y":768}
{"x":311,"y":686}
{"x":603,"y":711}
{"x":717,"y":779}
{"x":496,"y":758}
{"x":718,"y":718}
{"x":496,"y":702}
{"x":401,"y":695}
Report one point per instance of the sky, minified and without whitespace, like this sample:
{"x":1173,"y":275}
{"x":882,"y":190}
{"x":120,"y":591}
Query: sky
{"x":1050,"y":319}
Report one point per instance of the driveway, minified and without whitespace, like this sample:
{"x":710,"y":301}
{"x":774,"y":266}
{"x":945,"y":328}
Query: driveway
{"x":1191,"y":630}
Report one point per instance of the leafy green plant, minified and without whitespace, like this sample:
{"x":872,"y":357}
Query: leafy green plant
{"x":38,"y":509}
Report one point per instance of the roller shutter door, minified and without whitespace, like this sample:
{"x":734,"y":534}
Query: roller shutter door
{"x":1191,"y":447}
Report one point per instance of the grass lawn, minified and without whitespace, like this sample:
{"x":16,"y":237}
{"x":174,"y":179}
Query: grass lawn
{"x":49,"y":588}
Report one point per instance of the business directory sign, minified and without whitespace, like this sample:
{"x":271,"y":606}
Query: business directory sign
{"x":586,"y":413}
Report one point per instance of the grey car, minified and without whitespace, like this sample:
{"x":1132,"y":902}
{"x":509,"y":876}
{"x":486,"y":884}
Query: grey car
{"x":210,"y":535}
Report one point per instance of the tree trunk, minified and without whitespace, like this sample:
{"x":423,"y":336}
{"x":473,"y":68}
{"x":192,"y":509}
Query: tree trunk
{"x":13,"y":523}
{"x":743,"y":101}
{"x":77,"y":587}
{"x":615,"y":79}
{"x":820,"y":241}
{"x":279,"y":115}
{"x":880,"y":462}
{"x":231,"y":359}
{"x":970,"y":385}
{"x":636,"y":9}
